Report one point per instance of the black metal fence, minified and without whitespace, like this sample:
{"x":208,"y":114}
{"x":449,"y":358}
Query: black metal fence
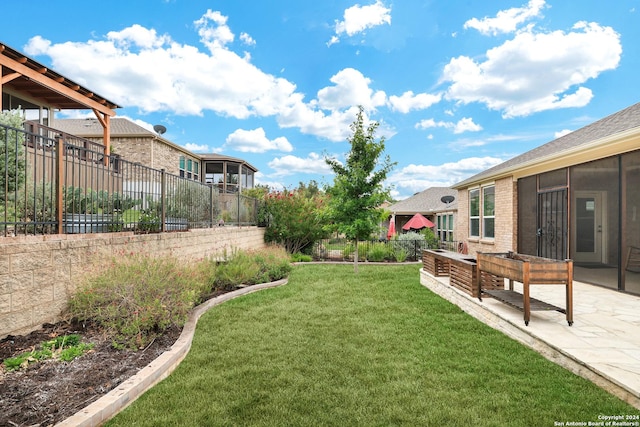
{"x":377,"y":250}
{"x":56,"y":183}
{"x":370,"y":250}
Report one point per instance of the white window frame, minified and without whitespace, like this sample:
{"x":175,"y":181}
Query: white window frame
{"x":484,"y":214}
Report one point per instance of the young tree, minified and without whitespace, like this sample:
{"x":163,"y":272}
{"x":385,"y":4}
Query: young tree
{"x":357,"y":192}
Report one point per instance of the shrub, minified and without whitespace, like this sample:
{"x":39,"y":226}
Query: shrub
{"x":149,"y":222}
{"x":274,"y":263}
{"x":400,"y":255}
{"x":377,"y":252}
{"x":298,"y":257}
{"x":294,"y":220}
{"x":432,"y":240}
{"x":250,"y":268}
{"x":237,"y":270}
{"x":139,"y":297}
{"x":413,"y":243}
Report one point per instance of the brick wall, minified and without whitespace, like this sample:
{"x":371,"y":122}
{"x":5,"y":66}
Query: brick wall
{"x":506,"y":213}
{"x":149,"y":152}
{"x":38,"y":274}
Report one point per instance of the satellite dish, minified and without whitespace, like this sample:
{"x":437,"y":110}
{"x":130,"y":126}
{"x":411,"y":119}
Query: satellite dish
{"x":447,"y":199}
{"x":159,"y":129}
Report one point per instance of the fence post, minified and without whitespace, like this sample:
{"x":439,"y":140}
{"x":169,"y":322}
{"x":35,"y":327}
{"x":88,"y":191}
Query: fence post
{"x":211,"y":208}
{"x":59,"y":181}
{"x":238,"y":208}
{"x":163,"y":192}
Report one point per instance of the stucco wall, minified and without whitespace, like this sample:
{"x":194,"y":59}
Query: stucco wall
{"x":506,"y":212}
{"x":38,"y":274}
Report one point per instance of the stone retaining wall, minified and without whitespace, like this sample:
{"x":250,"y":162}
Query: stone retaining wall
{"x":38,"y":274}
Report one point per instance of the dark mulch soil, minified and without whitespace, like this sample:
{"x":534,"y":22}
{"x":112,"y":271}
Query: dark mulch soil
{"x":48,"y":392}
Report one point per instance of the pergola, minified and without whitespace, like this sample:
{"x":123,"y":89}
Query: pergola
{"x":26,"y":77}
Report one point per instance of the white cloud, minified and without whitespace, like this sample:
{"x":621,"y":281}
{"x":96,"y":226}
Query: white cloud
{"x":430,"y":123}
{"x":202,"y":148}
{"x":409,"y":101}
{"x":247,"y":39}
{"x":213,"y":30}
{"x":190,"y":82}
{"x":358,"y":18}
{"x":136,"y":67}
{"x":535,"y":71}
{"x":351,"y":88}
{"x":414,"y":178}
{"x":256,"y":141}
{"x":261,"y":179}
{"x":465,"y":124}
{"x":506,"y":21}
{"x":562,"y":133}
{"x":289,"y":165}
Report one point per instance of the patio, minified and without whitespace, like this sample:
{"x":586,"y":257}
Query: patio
{"x":603,"y":345}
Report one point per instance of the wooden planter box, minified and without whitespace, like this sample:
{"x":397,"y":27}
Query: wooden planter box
{"x":461,"y":269}
{"x":436,"y":262}
{"x":529,"y":270}
{"x":463,"y":274}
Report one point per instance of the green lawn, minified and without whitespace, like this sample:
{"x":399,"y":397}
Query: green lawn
{"x":373,"y":349}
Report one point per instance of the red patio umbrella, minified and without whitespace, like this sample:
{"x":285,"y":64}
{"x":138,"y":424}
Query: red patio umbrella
{"x":417,"y":222}
{"x":392,"y":227}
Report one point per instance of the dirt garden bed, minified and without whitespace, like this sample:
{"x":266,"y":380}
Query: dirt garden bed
{"x":50,"y":391}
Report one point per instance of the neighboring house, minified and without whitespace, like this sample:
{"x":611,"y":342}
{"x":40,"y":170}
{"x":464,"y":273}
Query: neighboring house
{"x":575,"y":197}
{"x":138,"y":144}
{"x":435,"y":204}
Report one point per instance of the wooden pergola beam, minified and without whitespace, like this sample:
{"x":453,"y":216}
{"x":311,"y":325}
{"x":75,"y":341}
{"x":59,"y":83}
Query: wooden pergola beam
{"x":69,"y":92}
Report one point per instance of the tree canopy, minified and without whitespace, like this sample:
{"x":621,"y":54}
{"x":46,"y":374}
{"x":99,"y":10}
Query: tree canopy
{"x":358,"y":192}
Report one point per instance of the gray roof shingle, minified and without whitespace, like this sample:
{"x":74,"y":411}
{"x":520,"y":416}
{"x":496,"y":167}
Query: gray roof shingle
{"x":621,"y":121}
{"x":426,"y":202}
{"x":90,"y":127}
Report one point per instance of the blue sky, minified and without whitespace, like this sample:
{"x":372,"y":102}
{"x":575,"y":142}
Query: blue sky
{"x":457,"y":86}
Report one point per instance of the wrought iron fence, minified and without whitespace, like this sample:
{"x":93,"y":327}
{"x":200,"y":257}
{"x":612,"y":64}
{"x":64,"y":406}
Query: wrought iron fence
{"x":369,"y":250}
{"x":377,"y":250}
{"x":55,"y":183}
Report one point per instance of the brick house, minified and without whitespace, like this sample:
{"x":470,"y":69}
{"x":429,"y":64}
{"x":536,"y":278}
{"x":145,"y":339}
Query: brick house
{"x":435,"y":204}
{"x":138,"y":144}
{"x":575,"y":197}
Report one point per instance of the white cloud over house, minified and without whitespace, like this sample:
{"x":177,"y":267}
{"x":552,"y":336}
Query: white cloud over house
{"x":357,"y":19}
{"x":256,"y":141}
{"x":535,"y":70}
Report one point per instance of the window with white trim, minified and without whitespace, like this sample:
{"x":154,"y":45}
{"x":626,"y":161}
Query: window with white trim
{"x":445,"y":227}
{"x":189,"y":168}
{"x":488,"y":212}
{"x":482,"y":213}
{"x":474,"y":213}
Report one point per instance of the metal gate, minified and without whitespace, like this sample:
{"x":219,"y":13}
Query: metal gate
{"x":553,"y":224}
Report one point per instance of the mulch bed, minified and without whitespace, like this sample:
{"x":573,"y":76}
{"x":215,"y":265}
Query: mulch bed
{"x":50,"y":391}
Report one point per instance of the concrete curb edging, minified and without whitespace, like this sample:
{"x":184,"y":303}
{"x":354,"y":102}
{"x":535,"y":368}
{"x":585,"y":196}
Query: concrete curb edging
{"x":486,"y":315}
{"x":100,"y":411}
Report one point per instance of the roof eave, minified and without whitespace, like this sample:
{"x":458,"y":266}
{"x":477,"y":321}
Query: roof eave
{"x":610,"y":145}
